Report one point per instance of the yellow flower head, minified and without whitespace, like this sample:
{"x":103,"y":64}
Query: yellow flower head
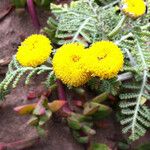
{"x":34,"y":51}
{"x":133,"y":8}
{"x":105,"y":60}
{"x":67,"y":64}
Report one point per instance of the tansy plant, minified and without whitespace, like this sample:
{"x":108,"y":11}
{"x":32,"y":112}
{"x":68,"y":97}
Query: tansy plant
{"x":99,"y":45}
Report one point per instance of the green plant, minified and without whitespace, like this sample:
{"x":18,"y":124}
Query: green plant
{"x":98,"y":146}
{"x":134,"y":42}
{"x":16,"y":71}
{"x":86,"y":21}
{"x":81,"y":125}
{"x":111,"y":86}
{"x":136,"y":90}
{"x":40,"y":112}
{"x":81,"y":22}
{"x":144,"y":146}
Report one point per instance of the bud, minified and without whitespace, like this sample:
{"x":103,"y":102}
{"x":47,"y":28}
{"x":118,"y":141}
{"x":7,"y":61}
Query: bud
{"x":90,"y":108}
{"x":25,"y":109}
{"x":33,"y":121}
{"x":74,"y":123}
{"x":87,"y":130}
{"x":56,"y":105}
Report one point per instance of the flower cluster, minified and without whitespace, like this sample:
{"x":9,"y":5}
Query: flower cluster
{"x":74,"y":65}
{"x":133,"y":8}
{"x":34,"y":51}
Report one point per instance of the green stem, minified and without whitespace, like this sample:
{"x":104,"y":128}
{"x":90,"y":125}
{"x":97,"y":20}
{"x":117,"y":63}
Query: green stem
{"x":123,"y":38}
{"x":118,"y":27}
{"x":145,"y":72}
{"x":111,"y":4}
{"x":125,"y":76}
{"x":100,"y":98}
{"x":145,"y":26}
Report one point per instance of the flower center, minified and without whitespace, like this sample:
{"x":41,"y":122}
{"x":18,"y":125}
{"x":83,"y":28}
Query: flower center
{"x":101,"y":57}
{"x":75,"y":58}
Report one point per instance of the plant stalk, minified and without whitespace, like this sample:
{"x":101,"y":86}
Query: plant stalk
{"x":124,"y":38}
{"x":125,"y":76}
{"x":62,"y":96}
{"x":118,"y":27}
{"x":33,"y":14}
{"x":100,"y":98}
{"x":61,"y":91}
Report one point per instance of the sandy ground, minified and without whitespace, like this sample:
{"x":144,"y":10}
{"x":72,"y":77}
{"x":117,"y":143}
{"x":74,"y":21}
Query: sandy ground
{"x":13,"y":29}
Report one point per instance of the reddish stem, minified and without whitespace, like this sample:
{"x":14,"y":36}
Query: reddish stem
{"x":61,"y":91}
{"x":62,"y":96}
{"x":33,"y":14}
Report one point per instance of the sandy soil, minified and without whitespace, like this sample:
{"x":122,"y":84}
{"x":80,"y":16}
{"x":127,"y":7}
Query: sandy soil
{"x":13,"y":29}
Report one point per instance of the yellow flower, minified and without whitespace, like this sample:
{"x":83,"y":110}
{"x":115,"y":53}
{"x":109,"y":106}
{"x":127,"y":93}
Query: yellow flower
{"x":34,"y":51}
{"x":133,"y":8}
{"x":67,"y":65}
{"x":104,"y":59}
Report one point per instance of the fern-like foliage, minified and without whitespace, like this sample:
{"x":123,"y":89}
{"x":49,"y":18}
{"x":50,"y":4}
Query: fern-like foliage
{"x":83,"y":21}
{"x":87,"y":21}
{"x":107,"y":2}
{"x":136,"y":91}
{"x":111,"y":86}
{"x":16,"y":71}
